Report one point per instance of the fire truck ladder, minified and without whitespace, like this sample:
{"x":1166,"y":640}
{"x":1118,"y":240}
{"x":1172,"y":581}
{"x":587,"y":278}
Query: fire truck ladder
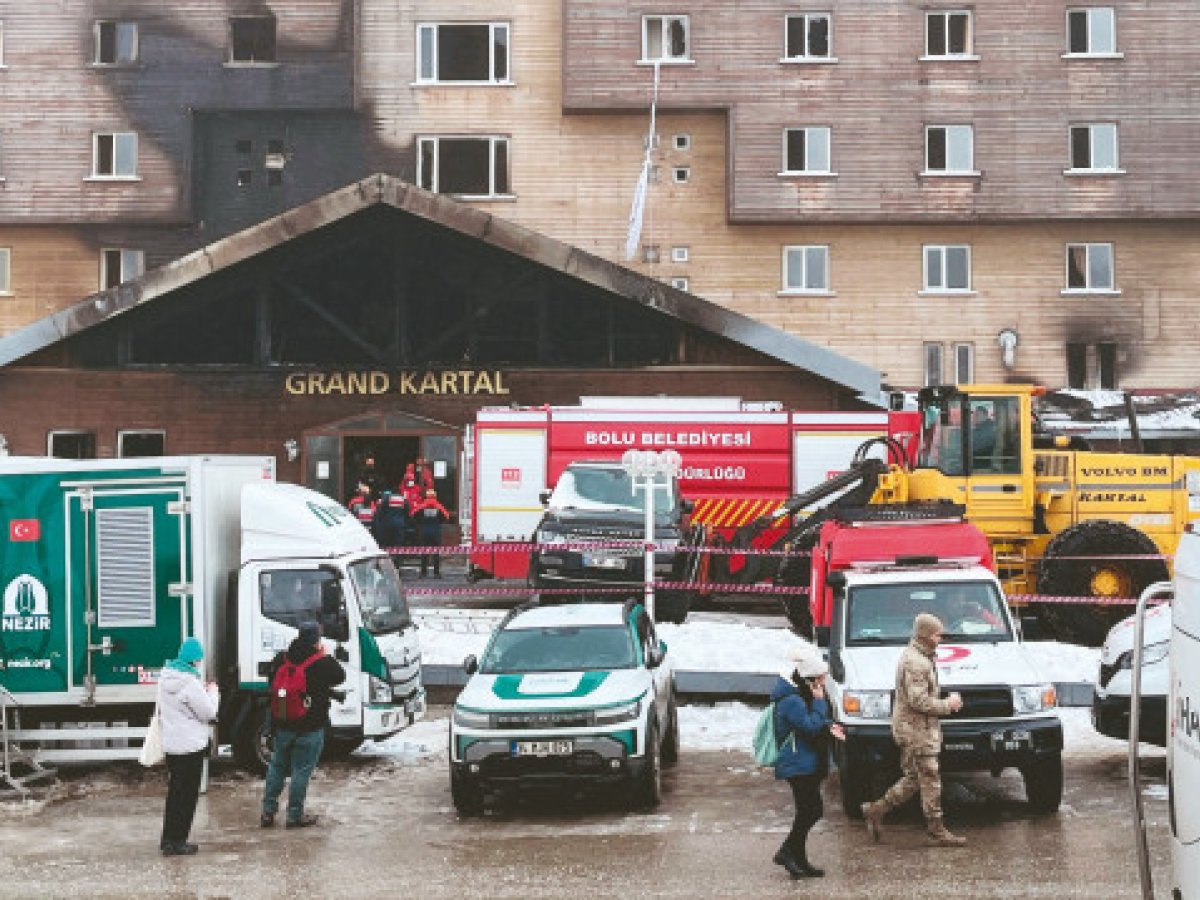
{"x":18,"y":767}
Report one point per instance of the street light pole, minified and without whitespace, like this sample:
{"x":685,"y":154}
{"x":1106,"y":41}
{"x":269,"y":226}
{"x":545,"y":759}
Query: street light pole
{"x":644,"y":468}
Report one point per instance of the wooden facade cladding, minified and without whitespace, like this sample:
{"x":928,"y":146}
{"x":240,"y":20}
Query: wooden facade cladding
{"x":1021,"y":97}
{"x":53,"y":98}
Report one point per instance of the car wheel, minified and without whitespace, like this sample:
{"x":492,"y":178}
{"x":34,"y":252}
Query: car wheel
{"x":1044,"y":784}
{"x":647,"y":792}
{"x":670,"y":744}
{"x":467,"y":797}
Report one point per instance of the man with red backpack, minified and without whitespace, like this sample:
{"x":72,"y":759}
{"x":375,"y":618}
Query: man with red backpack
{"x":301,"y":685}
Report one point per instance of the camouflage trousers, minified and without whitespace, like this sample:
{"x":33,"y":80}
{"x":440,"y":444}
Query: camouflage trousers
{"x":920,"y":768}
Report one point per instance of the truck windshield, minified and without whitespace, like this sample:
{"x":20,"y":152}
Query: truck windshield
{"x":563,"y":649}
{"x":380,"y":595}
{"x":971,"y":612}
{"x":585,"y":487}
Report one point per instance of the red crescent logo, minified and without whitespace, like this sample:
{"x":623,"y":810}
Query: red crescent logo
{"x":946,"y":655}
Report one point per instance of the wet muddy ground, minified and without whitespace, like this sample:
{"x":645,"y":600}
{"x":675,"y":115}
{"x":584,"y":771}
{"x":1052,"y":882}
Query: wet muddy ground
{"x":388,"y":830}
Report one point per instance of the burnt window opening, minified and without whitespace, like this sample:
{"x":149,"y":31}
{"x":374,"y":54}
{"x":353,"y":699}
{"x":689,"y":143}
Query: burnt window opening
{"x":116,"y":43}
{"x":252,"y":39}
{"x":1106,"y":362}
{"x":243,"y":146}
{"x":476,"y":167}
{"x":807,"y":36}
{"x":465,"y":53}
{"x":244,"y":177}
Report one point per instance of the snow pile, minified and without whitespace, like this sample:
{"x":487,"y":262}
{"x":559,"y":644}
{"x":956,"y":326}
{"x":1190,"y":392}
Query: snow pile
{"x":723,"y":726}
{"x":1065,"y":663}
{"x":425,"y":741}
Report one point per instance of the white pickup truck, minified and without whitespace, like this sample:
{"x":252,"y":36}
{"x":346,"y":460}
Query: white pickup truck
{"x":1009,"y":716}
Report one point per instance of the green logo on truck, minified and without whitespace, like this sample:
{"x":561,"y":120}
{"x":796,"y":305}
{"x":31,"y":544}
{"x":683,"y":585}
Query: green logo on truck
{"x":26,"y":605}
{"x":327,"y":515}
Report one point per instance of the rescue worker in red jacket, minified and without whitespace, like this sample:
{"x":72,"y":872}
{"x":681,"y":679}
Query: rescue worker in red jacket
{"x":429,"y":515}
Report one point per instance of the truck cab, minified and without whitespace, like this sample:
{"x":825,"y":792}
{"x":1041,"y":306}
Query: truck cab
{"x":595,"y":503}
{"x":1009,"y":717}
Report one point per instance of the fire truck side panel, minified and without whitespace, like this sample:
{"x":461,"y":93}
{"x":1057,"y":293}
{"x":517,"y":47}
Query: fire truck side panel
{"x":510,"y":474}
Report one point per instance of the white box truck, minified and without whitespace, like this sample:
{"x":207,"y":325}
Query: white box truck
{"x":106,"y":565}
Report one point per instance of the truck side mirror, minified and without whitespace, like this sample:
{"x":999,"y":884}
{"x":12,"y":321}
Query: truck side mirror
{"x":654,"y":657}
{"x":822,"y":635}
{"x":544,"y":496}
{"x":836,"y":579}
{"x":1031,"y":628}
{"x":341,"y":654}
{"x":471,"y":664}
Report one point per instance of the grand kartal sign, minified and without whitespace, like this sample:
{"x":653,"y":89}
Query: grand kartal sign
{"x":438,"y":382}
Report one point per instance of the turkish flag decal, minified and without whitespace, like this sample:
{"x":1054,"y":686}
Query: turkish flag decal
{"x":24,"y":530}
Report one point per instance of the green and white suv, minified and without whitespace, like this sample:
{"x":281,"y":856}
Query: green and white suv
{"x":569,"y":695}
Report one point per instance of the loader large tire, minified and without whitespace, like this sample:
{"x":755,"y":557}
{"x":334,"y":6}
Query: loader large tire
{"x":1064,"y":573}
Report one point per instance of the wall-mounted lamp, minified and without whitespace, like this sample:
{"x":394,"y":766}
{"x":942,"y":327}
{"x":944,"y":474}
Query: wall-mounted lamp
{"x":292,"y":449}
{"x":1007,"y":339}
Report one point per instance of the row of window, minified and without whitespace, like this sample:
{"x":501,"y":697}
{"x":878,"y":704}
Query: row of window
{"x":950,"y":149}
{"x":949,"y":35}
{"x":1089,"y":366}
{"x":947,"y":269}
{"x":115,"y":42}
{"x":116,"y":265}
{"x":74,"y":443}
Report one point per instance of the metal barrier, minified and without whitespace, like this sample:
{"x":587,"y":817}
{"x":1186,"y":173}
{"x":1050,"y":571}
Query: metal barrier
{"x":12,"y":754}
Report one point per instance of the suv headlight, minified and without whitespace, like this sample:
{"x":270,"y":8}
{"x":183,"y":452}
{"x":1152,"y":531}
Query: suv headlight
{"x":1151,"y":654}
{"x":1031,"y":698}
{"x":867,"y":704}
{"x":381,"y":691}
{"x":470,"y":719}
{"x":615,"y":714}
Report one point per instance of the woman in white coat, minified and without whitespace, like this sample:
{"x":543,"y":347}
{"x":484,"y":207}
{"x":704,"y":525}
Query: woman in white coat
{"x":186,"y":708}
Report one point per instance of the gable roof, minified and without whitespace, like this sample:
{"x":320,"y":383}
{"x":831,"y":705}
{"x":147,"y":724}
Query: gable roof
{"x":470,"y":222}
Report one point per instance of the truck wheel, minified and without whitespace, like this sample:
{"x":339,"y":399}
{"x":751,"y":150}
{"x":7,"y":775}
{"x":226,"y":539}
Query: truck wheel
{"x":647,"y":791}
{"x":670,"y":744}
{"x":855,"y":787}
{"x":466,"y":797}
{"x":1102,"y":576}
{"x":1044,"y":784}
{"x":254,"y":744}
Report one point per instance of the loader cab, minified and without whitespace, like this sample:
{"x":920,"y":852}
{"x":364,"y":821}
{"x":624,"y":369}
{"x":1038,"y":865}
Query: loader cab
{"x":965,"y":433}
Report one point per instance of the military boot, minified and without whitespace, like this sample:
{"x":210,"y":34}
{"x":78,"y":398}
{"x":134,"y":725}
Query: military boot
{"x":940,"y":836}
{"x":873,"y":814}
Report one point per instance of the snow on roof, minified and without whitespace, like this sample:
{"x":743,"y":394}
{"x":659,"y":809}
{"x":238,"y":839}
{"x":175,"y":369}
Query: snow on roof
{"x":580,"y":614}
{"x":1102,"y":413}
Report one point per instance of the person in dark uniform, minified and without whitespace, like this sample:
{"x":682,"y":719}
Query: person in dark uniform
{"x":429,"y":515}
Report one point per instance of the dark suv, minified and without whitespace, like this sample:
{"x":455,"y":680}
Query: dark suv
{"x":594,"y":502}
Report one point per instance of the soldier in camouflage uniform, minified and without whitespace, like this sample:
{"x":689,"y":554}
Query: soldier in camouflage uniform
{"x":918,"y":734}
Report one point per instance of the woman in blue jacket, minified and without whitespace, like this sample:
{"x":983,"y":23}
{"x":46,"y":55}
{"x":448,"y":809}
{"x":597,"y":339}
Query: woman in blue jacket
{"x":803,"y":726}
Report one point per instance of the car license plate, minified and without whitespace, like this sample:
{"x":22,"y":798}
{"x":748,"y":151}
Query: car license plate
{"x":543,"y":748}
{"x":1016,"y":739}
{"x":602,"y":561}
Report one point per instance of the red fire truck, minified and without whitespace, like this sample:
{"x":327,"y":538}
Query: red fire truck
{"x":741,"y":459}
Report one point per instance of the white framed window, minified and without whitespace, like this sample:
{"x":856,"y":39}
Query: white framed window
{"x":464,"y":166}
{"x":115,"y":155}
{"x":5,"y":270}
{"x":679,"y":283}
{"x":683,"y":142}
{"x":119,"y":264}
{"x":472,"y":53}
{"x":1094,"y":148}
{"x":1092,"y":31}
{"x":681,"y":174}
{"x":141,"y":442}
{"x":71,"y":443}
{"x":1090,"y":268}
{"x":680,"y":254}
{"x":806,"y":269}
{"x":947,"y":268}
{"x":948,"y":35}
{"x":950,"y":150}
{"x":666,"y":39}
{"x":252,"y":40}
{"x":806,"y":151}
{"x":116,"y":43}
{"x":931,"y":364}
{"x":964,"y":363}
{"x":808,"y":37}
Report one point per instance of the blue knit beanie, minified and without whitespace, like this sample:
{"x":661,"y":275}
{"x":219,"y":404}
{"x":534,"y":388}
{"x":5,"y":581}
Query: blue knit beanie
{"x":191,"y":651}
